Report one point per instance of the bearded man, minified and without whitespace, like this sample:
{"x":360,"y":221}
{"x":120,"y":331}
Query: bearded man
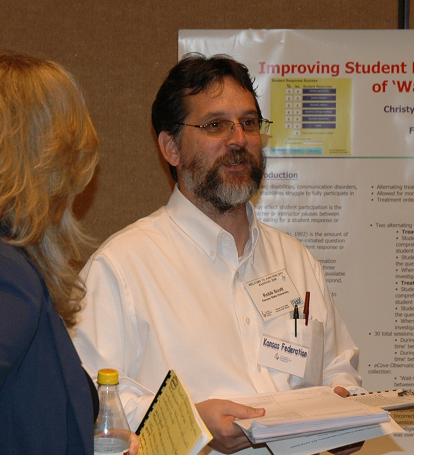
{"x":181,"y":288}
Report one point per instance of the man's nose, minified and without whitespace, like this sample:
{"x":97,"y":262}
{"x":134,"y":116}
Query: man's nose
{"x":237,"y":136}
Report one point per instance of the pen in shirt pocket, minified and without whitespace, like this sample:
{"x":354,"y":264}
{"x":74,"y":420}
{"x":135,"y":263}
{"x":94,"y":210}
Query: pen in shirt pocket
{"x":295,"y":317}
{"x":306,"y":307}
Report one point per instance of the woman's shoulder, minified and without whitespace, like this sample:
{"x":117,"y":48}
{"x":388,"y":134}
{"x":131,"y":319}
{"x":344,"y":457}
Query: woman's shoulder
{"x":22,"y":298}
{"x":16,"y":270}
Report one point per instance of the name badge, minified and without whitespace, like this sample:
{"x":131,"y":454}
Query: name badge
{"x":283,"y":356}
{"x":273,"y":294}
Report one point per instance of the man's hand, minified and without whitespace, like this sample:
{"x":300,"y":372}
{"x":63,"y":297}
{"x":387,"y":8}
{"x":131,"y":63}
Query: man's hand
{"x":349,"y":448}
{"x":219,"y":416}
{"x":341,"y":391}
{"x":133,"y":444}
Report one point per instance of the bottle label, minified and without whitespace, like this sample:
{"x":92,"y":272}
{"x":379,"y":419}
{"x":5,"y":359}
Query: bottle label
{"x":110,"y":446}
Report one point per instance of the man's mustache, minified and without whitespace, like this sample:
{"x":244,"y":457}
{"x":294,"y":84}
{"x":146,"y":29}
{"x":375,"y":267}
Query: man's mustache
{"x":236,"y":157}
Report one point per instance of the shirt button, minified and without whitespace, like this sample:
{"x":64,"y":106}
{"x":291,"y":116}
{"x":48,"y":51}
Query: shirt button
{"x":247,"y":320}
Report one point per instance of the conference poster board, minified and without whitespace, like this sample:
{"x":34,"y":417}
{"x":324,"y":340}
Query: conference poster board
{"x":339,"y":171}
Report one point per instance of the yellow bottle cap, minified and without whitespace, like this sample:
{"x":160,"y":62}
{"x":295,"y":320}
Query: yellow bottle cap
{"x":107,"y":376}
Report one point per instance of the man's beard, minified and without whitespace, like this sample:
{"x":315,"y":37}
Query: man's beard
{"x":225,"y":194}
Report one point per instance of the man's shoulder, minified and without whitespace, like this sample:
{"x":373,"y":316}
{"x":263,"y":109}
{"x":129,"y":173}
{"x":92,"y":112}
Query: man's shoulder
{"x":276,"y":234}
{"x":291,"y":249}
{"x":292,"y":246}
{"x":138,"y":234}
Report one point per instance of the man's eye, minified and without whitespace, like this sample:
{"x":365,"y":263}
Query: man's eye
{"x":214,"y":125}
{"x":250,"y":123}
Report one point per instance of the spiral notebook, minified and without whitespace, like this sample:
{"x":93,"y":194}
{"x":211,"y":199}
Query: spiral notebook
{"x":172,"y":425}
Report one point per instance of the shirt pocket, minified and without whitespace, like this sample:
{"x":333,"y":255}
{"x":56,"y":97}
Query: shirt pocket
{"x":310,"y":336}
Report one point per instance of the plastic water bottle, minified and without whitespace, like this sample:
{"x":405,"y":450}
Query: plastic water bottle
{"x":112,"y":432}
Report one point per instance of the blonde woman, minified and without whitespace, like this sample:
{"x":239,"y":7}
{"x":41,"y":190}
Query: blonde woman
{"x":48,"y":153}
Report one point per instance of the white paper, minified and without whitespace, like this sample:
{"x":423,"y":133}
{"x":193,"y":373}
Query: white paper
{"x":315,"y":443}
{"x":304,"y":411}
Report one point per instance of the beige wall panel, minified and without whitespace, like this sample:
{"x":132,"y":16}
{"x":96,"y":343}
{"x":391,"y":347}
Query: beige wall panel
{"x":121,"y":50}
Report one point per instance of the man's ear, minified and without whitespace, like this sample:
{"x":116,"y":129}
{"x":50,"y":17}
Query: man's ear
{"x":169,"y":148}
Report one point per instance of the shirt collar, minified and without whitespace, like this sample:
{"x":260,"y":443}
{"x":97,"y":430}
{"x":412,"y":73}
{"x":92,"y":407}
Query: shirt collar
{"x":203,"y":230}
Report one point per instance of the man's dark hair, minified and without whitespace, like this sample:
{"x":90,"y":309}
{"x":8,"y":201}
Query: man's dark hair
{"x":193,"y":74}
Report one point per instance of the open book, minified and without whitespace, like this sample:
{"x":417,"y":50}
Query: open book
{"x":303,"y":412}
{"x":172,"y":425}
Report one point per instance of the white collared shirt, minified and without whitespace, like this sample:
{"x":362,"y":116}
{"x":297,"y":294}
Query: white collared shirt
{"x":167,"y":292}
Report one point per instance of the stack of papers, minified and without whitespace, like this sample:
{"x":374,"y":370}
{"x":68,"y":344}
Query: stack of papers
{"x":304,"y":412}
{"x":320,"y":442}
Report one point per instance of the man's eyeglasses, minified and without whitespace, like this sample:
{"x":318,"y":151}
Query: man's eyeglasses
{"x":224,"y":127}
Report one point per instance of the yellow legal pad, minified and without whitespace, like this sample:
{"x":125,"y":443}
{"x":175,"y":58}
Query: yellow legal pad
{"x":172,"y":425}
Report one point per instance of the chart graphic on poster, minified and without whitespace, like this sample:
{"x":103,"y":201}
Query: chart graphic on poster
{"x":339,"y":171}
{"x":311,"y":116}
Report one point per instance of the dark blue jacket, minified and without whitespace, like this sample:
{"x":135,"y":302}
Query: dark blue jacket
{"x":45,"y":399}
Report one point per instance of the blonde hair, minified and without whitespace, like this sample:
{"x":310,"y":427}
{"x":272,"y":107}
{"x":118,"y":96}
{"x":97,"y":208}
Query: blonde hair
{"x":48,"y":154}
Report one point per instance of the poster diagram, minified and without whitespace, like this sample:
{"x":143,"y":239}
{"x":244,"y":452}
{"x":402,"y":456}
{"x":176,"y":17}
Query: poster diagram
{"x":311,"y":117}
